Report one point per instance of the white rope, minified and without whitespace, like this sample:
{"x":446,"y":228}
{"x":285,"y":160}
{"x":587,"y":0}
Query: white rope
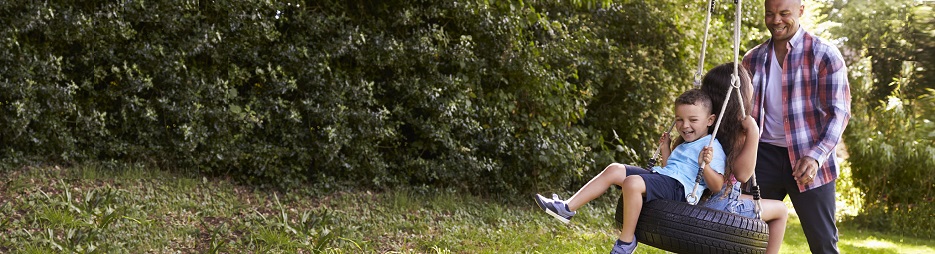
{"x":693,"y":198}
{"x":659,"y":149}
{"x":699,"y":72}
{"x":735,"y":80}
{"x":735,"y":84}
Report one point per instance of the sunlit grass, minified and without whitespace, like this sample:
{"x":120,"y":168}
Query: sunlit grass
{"x":72,"y":210}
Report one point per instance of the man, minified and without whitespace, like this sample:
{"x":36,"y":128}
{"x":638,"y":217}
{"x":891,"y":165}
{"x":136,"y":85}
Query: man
{"x":802,"y":103}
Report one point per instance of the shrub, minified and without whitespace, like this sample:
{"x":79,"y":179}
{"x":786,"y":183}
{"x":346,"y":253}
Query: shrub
{"x":890,"y":136}
{"x":891,"y":159}
{"x":487,"y":97}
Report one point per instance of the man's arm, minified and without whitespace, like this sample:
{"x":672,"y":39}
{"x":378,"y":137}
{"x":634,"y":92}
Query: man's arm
{"x":835,"y":98}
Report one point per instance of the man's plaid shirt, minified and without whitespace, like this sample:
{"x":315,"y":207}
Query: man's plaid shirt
{"x":816,"y":99}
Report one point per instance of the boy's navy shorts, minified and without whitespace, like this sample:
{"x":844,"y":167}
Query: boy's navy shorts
{"x":658,"y":186}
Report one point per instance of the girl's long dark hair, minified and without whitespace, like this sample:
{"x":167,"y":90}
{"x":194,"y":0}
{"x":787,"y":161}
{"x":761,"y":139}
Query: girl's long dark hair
{"x":730,"y":134}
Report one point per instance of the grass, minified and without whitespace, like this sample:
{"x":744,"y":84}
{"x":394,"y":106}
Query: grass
{"x":89,"y":209}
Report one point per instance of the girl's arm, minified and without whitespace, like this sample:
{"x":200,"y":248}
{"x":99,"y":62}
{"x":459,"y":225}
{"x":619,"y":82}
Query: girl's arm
{"x":712,"y":178}
{"x":745,"y":163}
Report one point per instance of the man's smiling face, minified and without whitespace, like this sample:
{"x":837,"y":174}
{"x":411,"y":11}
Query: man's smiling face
{"x":782,"y":18}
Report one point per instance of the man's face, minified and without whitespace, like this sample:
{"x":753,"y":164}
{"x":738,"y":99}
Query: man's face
{"x":782,"y":18}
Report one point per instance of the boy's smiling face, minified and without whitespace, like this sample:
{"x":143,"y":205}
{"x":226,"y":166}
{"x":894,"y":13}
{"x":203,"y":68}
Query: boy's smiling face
{"x":692,"y":121}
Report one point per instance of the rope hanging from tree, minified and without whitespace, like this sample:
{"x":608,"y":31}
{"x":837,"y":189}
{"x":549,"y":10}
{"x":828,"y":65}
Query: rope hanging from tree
{"x":735,"y":85}
{"x":682,"y":227}
{"x":699,"y":72}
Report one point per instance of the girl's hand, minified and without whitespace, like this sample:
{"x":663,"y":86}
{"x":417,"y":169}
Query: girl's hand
{"x":750,"y":124}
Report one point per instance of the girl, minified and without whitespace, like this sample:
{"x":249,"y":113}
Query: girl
{"x":739,"y":135}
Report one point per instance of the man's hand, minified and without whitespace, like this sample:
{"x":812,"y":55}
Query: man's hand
{"x":805,"y":170}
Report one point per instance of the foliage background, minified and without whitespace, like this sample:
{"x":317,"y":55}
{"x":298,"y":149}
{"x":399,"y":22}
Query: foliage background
{"x":492,"y":97}
{"x":470,"y":95}
{"x":891,"y":136}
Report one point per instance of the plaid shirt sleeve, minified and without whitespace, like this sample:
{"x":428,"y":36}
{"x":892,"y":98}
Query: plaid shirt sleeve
{"x":834,"y":94}
{"x":819,"y":105}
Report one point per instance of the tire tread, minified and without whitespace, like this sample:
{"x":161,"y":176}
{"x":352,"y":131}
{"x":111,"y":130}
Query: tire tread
{"x":683,"y":228}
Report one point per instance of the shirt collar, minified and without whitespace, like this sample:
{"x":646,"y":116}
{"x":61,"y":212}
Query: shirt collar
{"x":797,"y":39}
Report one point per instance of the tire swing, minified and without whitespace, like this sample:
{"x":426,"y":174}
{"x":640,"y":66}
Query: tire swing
{"x":686,"y":228}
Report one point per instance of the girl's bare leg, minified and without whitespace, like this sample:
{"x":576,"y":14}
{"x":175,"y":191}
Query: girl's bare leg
{"x":775,"y":213}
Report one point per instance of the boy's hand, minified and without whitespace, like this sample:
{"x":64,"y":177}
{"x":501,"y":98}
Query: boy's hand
{"x":664,"y":141}
{"x":706,"y":155}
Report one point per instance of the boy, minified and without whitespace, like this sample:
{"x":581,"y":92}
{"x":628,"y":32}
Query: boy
{"x":673,"y":180}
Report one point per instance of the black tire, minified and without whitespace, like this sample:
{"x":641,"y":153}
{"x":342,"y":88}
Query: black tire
{"x":683,"y":228}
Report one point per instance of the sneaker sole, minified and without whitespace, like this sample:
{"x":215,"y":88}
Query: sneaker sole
{"x":559,"y":217}
{"x":550,"y":212}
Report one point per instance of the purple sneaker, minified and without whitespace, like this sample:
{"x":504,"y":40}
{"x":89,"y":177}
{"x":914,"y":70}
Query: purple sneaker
{"x":555,"y":207}
{"x":622,"y":248}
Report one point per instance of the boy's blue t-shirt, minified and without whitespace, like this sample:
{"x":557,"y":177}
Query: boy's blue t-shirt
{"x":683,"y":163}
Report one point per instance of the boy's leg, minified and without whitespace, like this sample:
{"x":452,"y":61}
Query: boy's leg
{"x":614,"y":174}
{"x":563,"y":210}
{"x":633,"y":189}
{"x":638,"y":189}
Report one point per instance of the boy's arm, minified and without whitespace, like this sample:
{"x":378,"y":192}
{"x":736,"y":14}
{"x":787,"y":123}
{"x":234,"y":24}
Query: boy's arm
{"x":665,"y":149}
{"x":713,"y":179}
{"x":745,"y":163}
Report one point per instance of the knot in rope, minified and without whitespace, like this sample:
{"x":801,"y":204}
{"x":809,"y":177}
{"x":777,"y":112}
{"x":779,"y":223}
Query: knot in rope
{"x":698,"y":75}
{"x":735,"y":81}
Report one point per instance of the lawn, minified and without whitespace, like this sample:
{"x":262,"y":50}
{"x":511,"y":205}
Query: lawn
{"x":88,"y":209}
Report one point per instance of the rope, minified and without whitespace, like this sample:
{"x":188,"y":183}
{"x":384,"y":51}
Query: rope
{"x":693,"y":198}
{"x":652,"y":161}
{"x":735,"y":84}
{"x":704,"y":46}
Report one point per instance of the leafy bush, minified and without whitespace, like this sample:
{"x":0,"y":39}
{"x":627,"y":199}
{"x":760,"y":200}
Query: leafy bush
{"x":473,"y":95}
{"x":891,"y":161}
{"x":891,"y":137}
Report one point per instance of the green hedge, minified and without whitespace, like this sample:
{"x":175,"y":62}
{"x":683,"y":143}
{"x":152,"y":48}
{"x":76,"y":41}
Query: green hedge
{"x":891,"y":136}
{"x":891,"y":149}
{"x":472,"y":95}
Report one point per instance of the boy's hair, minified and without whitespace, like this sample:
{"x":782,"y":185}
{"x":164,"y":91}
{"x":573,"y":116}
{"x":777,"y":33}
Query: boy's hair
{"x":694,"y":97}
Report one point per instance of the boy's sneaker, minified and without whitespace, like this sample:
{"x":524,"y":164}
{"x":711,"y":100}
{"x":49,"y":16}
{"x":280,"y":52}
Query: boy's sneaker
{"x":622,"y":248}
{"x":555,"y":207}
